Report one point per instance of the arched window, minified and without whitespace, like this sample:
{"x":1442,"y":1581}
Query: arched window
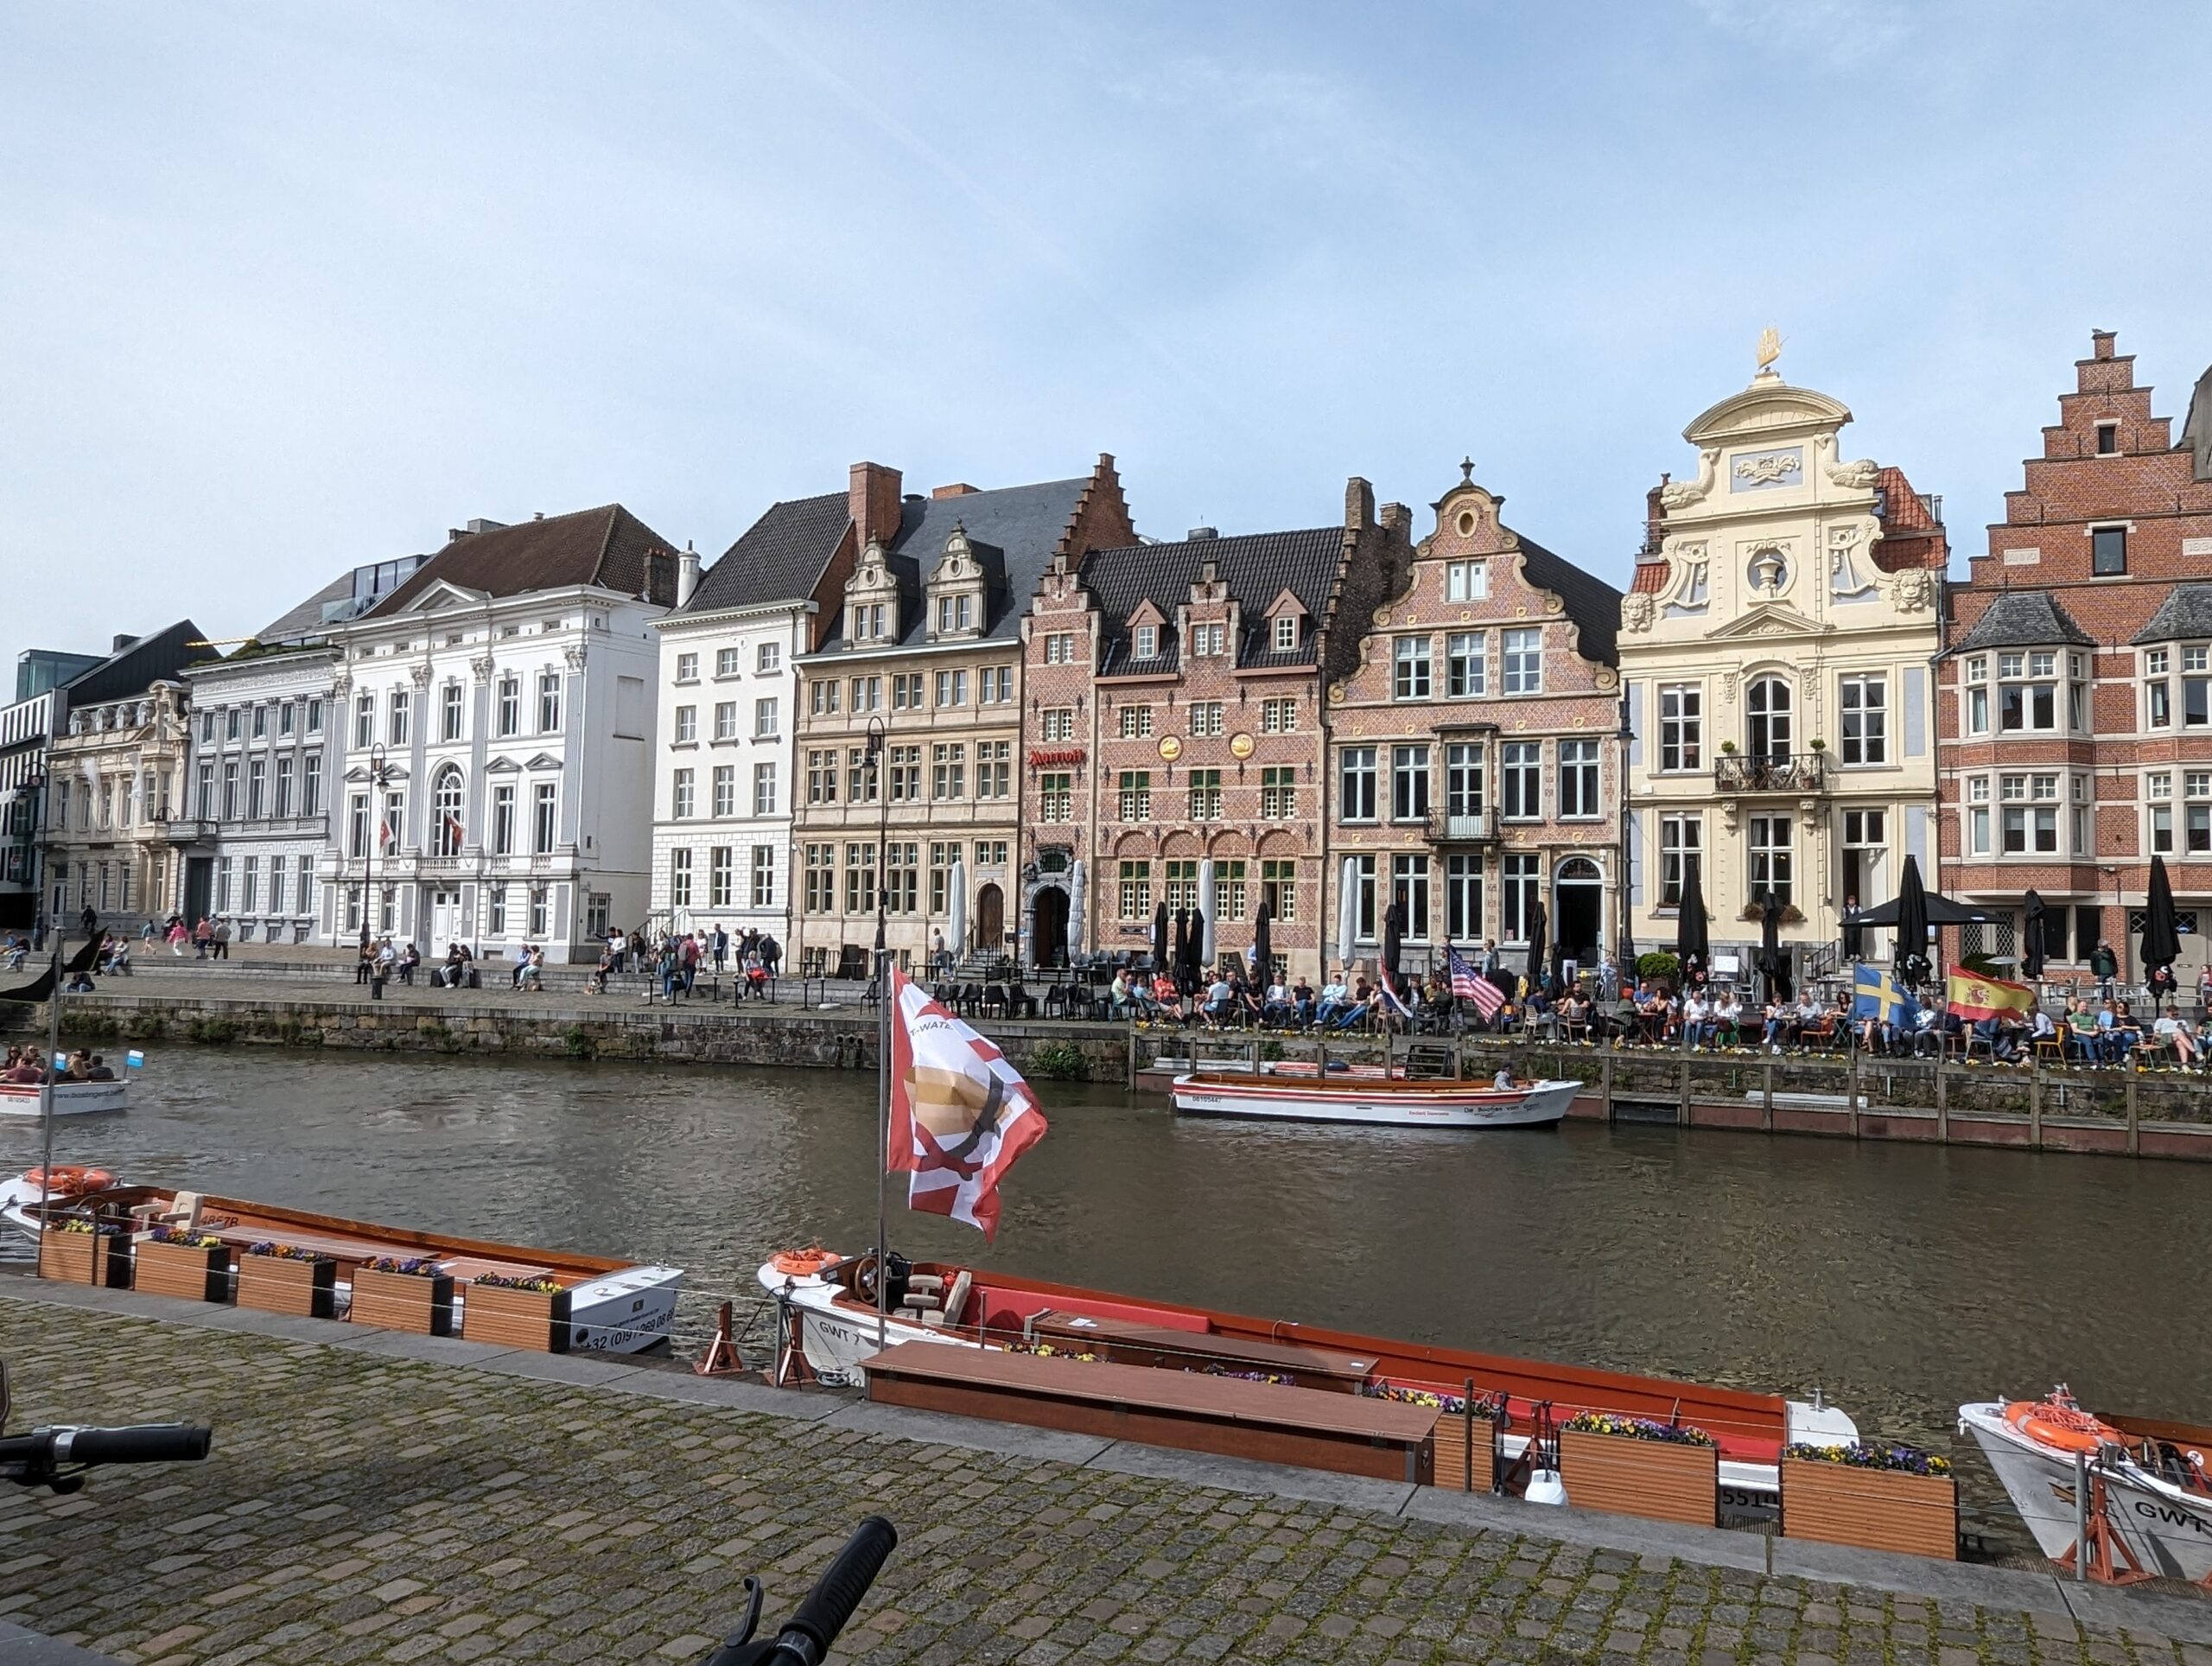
{"x":445,"y":803}
{"x":1766,"y":710}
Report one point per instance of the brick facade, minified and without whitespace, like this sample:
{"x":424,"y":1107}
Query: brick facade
{"x":2074,"y":706}
{"x":1444,"y":696}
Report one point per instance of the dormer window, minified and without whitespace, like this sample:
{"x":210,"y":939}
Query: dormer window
{"x":1209,"y":639}
{"x":956,"y":614}
{"x":1466,"y":580}
{"x":867,"y":622}
{"x":1286,"y":633}
{"x":1147,"y":642}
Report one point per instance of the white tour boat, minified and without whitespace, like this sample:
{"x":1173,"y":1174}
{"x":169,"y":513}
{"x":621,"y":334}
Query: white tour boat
{"x":70,"y":1098}
{"x":2158,"y":1502}
{"x":1378,"y":1101}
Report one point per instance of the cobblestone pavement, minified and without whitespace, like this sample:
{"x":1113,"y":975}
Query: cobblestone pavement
{"x":360,"y":1507}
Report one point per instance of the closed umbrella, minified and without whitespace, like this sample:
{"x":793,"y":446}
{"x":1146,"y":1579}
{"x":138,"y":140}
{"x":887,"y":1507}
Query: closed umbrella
{"x":1394,"y":937}
{"x":1913,"y":967}
{"x":1263,"y":948}
{"x":1198,"y":965}
{"x":1182,"y":944}
{"x":1691,"y":947}
{"x":1209,"y":951}
{"x":1079,"y":886}
{"x":1773,"y":967}
{"x":1537,"y":928}
{"x":956,"y":905}
{"x":2161,"y":931}
{"x":1160,"y":939}
{"x":2031,"y":919}
{"x":1348,"y":911}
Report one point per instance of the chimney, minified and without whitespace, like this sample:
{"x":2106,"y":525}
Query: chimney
{"x":1200,"y":535}
{"x":1396,"y":517}
{"x":122,"y":641}
{"x":1359,"y":503}
{"x":957,"y":489}
{"x":687,"y":574}
{"x":2100,"y":343}
{"x":875,"y":504}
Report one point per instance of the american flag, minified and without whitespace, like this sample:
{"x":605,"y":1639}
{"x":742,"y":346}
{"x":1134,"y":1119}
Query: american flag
{"x":1468,"y":984}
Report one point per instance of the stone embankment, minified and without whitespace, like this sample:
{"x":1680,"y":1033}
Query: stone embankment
{"x":385,"y":1497}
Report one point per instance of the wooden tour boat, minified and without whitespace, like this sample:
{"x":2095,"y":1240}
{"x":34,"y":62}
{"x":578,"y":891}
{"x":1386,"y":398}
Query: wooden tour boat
{"x":614,"y":1307}
{"x":70,"y":1098}
{"x":833,"y":1327}
{"x":1376,"y":1100}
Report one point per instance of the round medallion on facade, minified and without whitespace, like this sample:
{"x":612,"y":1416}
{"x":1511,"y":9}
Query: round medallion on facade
{"x":1171,"y":747}
{"x":1239,"y":745}
{"x":1467,"y":523}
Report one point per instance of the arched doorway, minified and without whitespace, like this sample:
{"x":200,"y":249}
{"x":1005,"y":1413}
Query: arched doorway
{"x":1048,"y":927}
{"x":1577,"y":910}
{"x":990,"y":920}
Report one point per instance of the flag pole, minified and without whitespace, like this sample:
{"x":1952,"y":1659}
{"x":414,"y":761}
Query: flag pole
{"x":47,"y":1081}
{"x":875,"y":746}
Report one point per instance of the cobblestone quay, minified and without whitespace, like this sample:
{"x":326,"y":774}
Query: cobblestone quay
{"x":382,"y":1498}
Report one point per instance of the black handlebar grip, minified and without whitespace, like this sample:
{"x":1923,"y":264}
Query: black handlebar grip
{"x":142,"y":1443}
{"x":839,"y":1590}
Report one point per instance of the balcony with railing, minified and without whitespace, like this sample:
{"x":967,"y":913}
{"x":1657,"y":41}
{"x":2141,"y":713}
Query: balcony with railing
{"x":1737,"y":772}
{"x":1479,"y":827}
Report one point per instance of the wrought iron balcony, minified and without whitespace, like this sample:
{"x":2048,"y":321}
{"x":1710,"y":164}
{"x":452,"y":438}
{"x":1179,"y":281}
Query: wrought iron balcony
{"x":1736,"y":771}
{"x":1480,"y":828}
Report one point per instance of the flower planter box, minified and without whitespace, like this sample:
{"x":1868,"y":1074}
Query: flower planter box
{"x":1871,"y":1508}
{"x":404,"y":1301}
{"x":285,"y":1284}
{"x":1659,"y":1480}
{"x":84,"y":1258}
{"x":1454,"y":1473}
{"x":516,"y":1318}
{"x":179,"y":1270}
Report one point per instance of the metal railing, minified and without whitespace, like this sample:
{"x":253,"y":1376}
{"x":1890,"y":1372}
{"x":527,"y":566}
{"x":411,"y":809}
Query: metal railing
{"x":1802,"y":771}
{"x":1478,"y":828}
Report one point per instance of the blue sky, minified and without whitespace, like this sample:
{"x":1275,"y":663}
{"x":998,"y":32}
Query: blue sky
{"x":291,"y":288}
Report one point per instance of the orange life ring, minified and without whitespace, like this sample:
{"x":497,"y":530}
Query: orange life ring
{"x":803,"y":1263}
{"x":69,"y":1178}
{"x":2062,"y":1425}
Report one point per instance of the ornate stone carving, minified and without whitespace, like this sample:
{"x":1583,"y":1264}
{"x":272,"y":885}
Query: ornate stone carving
{"x":1638,"y":611}
{"x":1769,"y":468}
{"x":574,"y":653}
{"x":1607,"y":680}
{"x":1681,"y":494}
{"x":481,"y":668}
{"x":1853,"y":476}
{"x":1912,"y":590}
{"x":419,"y":675}
{"x":1728,"y":688}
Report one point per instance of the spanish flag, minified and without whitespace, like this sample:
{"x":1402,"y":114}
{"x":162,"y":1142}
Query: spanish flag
{"x":1973,"y":997}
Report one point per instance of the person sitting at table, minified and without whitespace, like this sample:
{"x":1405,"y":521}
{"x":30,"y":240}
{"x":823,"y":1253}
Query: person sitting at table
{"x":455,"y":971}
{"x":1301,"y":996}
{"x":1335,"y":996}
{"x":2173,"y":1030}
{"x":1220,"y":1002}
{"x":2126,"y":1029}
{"x":1276,"y":1009}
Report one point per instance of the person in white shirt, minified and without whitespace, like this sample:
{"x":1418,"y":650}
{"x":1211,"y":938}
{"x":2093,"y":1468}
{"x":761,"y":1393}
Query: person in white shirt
{"x":2174,"y":1031}
{"x":1697,"y":1015}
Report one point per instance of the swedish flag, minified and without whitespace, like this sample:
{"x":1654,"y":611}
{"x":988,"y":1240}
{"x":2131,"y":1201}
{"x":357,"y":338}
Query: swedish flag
{"x":1875,"y":993}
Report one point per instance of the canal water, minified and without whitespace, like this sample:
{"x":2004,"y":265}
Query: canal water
{"x":1898,"y":1278}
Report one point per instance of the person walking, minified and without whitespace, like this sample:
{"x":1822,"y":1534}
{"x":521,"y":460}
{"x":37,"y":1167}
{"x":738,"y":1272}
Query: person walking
{"x":203,"y":939}
{"x":178,"y":937}
{"x":223,"y":939}
{"x":720,"y":942}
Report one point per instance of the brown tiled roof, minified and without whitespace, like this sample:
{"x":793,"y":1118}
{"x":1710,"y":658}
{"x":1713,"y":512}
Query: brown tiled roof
{"x":1911,"y":536}
{"x":780,"y":558}
{"x":608,"y":547}
{"x":1650,"y":576}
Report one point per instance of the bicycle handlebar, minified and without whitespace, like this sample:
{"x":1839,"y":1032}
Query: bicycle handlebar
{"x":837,"y":1593}
{"x":34,"y":1459}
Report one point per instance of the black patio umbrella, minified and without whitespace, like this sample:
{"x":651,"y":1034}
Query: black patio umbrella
{"x":1194,"y":944}
{"x":1182,"y":942}
{"x":2161,"y":932}
{"x":1537,"y":928}
{"x":1692,"y":948}
{"x":1263,"y":948}
{"x":1394,"y":936}
{"x":1773,"y":967}
{"x":1160,"y":939}
{"x":1912,"y":961}
{"x":2031,"y":922}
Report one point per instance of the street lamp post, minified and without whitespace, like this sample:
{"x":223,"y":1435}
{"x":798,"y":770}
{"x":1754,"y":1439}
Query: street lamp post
{"x":881,"y":788}
{"x":379,"y":774}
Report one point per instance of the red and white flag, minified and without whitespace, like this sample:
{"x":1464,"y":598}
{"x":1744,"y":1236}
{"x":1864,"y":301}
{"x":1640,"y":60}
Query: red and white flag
{"x":960,"y":1114}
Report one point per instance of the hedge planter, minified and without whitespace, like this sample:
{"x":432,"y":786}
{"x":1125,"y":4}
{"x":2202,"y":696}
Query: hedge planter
{"x":86,"y":1258}
{"x":1870,"y":1509}
{"x":1659,"y":1480}
{"x":303,"y":1286}
{"x":512,"y":1316}
{"x":197,"y":1272}
{"x":419,"y":1302}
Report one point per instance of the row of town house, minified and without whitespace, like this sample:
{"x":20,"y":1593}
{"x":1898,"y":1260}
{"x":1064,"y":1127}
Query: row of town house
{"x":549,"y":729}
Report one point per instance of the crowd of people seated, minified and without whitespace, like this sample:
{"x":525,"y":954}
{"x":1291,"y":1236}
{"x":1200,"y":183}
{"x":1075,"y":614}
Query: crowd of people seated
{"x":27,"y":1067}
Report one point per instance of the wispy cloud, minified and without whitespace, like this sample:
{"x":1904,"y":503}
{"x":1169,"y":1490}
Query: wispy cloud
{"x":1842,"y":34}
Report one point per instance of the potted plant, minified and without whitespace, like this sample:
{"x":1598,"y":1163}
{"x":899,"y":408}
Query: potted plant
{"x":283,"y":1278}
{"x":517,"y":1313}
{"x":81,"y":1251}
{"x":1633,"y":1466}
{"x":1870,"y":1497}
{"x":1729,"y":748}
{"x":1466,"y":1434}
{"x":177,"y":1262}
{"x":403,"y":1293}
{"x":1817,"y":744}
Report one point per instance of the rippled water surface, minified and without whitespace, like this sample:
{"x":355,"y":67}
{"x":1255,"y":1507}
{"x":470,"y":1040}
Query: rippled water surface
{"x":1902,"y":1279}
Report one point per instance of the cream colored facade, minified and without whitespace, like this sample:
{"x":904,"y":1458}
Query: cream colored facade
{"x":113,"y":780}
{"x":1775,"y":656}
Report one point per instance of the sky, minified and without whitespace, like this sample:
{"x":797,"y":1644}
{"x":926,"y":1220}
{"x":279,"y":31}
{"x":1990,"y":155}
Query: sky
{"x":286,"y":288}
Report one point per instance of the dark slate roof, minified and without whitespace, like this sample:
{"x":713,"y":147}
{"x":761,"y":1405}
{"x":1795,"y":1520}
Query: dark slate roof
{"x":137,"y":667}
{"x":305,"y":623}
{"x":1257,"y":568}
{"x":1592,"y":604}
{"x":1015,"y":532}
{"x":607,"y":547}
{"x":2186,"y":614}
{"x":2022,"y":618}
{"x":780,"y":558}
